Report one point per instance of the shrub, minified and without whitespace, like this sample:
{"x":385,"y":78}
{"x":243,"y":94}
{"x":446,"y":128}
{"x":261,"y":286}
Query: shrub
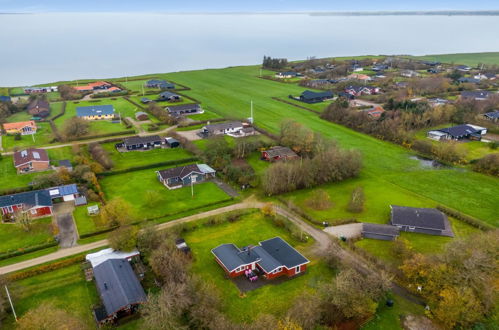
{"x":319,"y":200}
{"x":124,"y":238}
{"x":489,"y":164}
{"x":356,"y":204}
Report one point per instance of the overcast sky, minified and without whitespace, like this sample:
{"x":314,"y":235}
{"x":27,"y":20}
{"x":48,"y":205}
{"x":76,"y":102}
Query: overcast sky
{"x":238,"y":5}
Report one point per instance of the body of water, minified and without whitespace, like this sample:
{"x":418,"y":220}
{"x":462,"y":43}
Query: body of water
{"x":41,"y":48}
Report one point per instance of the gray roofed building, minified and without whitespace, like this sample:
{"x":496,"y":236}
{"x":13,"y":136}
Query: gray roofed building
{"x":420,"y":220}
{"x":476,"y":95}
{"x":232,"y":127}
{"x":458,"y":132}
{"x":159,"y":83}
{"x":315,"y":97}
{"x":492,"y":116}
{"x":177,"y":177}
{"x":278,"y":153}
{"x":232,"y":257}
{"x":95,"y":111}
{"x":184,"y":109}
{"x":378,"y":231}
{"x":118,"y":286}
{"x":28,"y":199}
{"x":282,"y":251}
{"x":168,"y":96}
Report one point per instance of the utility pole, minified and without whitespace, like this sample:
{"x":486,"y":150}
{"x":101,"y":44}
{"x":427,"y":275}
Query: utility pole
{"x":192,"y":188}
{"x":11,"y":304}
{"x":251,"y":113}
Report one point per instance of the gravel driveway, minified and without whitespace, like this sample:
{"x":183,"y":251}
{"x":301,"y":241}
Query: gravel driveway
{"x":351,"y":230}
{"x":63,"y":213}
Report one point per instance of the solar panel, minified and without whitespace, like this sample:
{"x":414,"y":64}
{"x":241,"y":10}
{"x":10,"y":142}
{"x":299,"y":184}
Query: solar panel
{"x":36,"y":155}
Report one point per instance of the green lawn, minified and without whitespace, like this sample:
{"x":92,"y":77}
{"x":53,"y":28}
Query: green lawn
{"x":13,"y":236}
{"x":87,"y":224}
{"x":133,"y":188}
{"x":42,"y":137}
{"x":270,"y":299}
{"x":321,"y":106}
{"x":8,"y":175}
{"x":19,"y":116}
{"x":229,"y":91}
{"x":426,"y":244}
{"x":388,"y":318}
{"x":99,"y":126}
{"x":206,"y":115}
{"x":124,"y":160}
{"x":57,"y":154}
{"x":259,"y":166}
{"x":66,"y":288}
{"x":471,"y":59}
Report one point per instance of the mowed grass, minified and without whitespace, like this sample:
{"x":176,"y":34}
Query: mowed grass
{"x":388,"y":318}
{"x":471,"y":59}
{"x":133,"y":187}
{"x":229,"y":91}
{"x":43,"y":136}
{"x":62,"y":153}
{"x":66,"y":288}
{"x":269,"y":299}
{"x":14,"y":237}
{"x":86,"y":223}
{"x":129,"y":159}
{"x":98,"y":126}
{"x":8,"y":175}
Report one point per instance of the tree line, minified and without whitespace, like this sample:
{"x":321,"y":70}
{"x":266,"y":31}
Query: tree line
{"x":274,"y":63}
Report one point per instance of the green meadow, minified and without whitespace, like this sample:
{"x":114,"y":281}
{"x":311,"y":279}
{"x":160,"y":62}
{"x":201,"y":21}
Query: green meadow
{"x":471,"y":59}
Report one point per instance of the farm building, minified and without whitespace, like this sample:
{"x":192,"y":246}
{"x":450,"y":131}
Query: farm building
{"x":492,"y":116}
{"x":168,"y":96}
{"x":381,"y":232}
{"x":39,"y":108}
{"x":279,"y":153}
{"x":171,"y":142}
{"x":420,"y":220}
{"x":31,"y":160}
{"x":95,"y":112}
{"x":119,"y":289}
{"x":141,"y":116}
{"x":22,"y":127}
{"x":159,"y":83}
{"x":459,"y":132}
{"x":315,"y":97}
{"x":142,"y":142}
{"x":271,"y":258}
{"x":179,"y":177}
{"x":184,"y":109}
{"x":37,"y":202}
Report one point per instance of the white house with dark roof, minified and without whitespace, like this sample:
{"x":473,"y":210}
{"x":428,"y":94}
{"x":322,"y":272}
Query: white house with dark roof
{"x":420,"y":220}
{"x":178,"y":177}
{"x":458,"y":132}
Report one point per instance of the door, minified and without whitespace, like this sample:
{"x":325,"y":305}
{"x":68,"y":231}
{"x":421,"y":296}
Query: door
{"x":297,"y":269}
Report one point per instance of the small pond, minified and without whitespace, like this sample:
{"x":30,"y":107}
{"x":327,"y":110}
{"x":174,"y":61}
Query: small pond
{"x":429,"y":163}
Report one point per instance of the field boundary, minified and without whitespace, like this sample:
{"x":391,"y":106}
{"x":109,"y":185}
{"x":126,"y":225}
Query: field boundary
{"x":295,"y":105}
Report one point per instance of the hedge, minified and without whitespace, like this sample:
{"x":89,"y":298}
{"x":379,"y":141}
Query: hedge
{"x":465,"y":218}
{"x":98,"y":232}
{"x":45,"y":268}
{"x":104,"y":135}
{"x":19,"y":252}
{"x":60,"y":114}
{"x":145,"y":167}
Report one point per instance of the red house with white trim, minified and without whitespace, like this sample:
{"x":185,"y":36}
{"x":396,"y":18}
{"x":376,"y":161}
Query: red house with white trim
{"x":271,"y":258}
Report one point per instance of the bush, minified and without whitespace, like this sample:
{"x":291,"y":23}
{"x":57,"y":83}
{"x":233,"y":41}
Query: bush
{"x":145,"y":167}
{"x":319,"y":200}
{"x":37,"y":270}
{"x":466,"y":218}
{"x":124,"y":238}
{"x":489,"y":164}
{"x":356,"y":204}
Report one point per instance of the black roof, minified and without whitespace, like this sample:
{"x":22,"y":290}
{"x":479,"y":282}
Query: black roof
{"x":29,"y":198}
{"x":179,"y":172}
{"x":167,"y":94}
{"x":310,"y":95}
{"x":492,"y":115}
{"x":117,"y":284}
{"x":283,"y":252}
{"x":65,"y":163}
{"x":417,"y":217}
{"x":141,"y":139}
{"x":223,"y":126}
{"x":475,"y":94}
{"x":183,"y":107}
{"x":460,"y":130}
{"x":374,"y":228}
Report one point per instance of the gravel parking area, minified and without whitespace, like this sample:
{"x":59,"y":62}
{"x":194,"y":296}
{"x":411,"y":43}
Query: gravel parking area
{"x":351,"y":230}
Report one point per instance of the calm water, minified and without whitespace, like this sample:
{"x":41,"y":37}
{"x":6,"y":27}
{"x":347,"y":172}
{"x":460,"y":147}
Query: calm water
{"x":49,"y":47}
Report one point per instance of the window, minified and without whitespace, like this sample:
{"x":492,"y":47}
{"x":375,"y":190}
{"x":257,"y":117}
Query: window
{"x":33,"y":211}
{"x":412,"y":227}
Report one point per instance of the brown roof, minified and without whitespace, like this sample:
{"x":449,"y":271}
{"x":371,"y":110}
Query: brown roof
{"x":283,"y":152}
{"x":38,"y":106}
{"x":30,"y":155}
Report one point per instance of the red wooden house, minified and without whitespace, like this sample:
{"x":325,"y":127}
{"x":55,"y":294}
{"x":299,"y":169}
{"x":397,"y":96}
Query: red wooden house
{"x":272,"y":258}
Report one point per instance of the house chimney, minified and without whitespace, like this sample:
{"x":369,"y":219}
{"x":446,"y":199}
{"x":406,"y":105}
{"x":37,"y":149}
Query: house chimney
{"x":105,"y":285}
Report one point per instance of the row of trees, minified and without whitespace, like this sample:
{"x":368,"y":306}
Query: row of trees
{"x":159,"y":112}
{"x":274,"y":63}
{"x":69,"y":93}
{"x":459,"y":283}
{"x":100,"y":155}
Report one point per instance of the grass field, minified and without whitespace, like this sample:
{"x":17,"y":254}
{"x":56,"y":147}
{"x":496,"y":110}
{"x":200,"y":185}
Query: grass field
{"x":85,"y":223}
{"x":124,"y":160}
{"x":471,"y":59}
{"x":133,"y":187}
{"x":57,"y":154}
{"x":8,"y":175}
{"x":19,"y":116}
{"x":313,"y":106}
{"x":388,"y":163}
{"x":102,"y":126}
{"x":13,"y":236}
{"x":426,"y":244}
{"x":270,"y":299}
{"x":42,"y":137}
{"x":66,"y":288}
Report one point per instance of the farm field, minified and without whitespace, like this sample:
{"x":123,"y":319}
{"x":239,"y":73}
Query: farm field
{"x":471,"y":59}
{"x":8,"y":175}
{"x":136,"y":188}
{"x":66,"y":288}
{"x":269,"y":299}
{"x":42,"y":137}
{"x":129,"y":159}
{"x":14,"y":237}
{"x":387,"y":162}
{"x":425,"y":244}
